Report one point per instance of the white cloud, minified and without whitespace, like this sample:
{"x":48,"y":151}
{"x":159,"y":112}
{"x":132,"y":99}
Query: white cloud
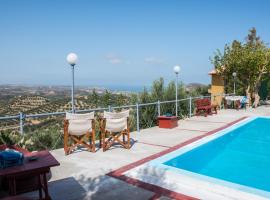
{"x":113,"y":59}
{"x":153,"y":60}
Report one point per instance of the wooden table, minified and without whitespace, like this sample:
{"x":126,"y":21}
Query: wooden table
{"x":234,"y":101}
{"x":38,"y":168}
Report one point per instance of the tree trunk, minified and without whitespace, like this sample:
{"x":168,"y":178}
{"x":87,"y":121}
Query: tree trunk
{"x":256,"y":91}
{"x":256,"y":99}
{"x":248,"y":95}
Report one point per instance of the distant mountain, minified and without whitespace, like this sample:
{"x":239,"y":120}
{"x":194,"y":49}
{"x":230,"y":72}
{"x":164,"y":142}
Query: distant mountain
{"x":10,"y":91}
{"x":191,"y":86}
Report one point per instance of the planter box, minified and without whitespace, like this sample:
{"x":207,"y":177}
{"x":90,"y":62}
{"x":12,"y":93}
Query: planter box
{"x":167,"y":122}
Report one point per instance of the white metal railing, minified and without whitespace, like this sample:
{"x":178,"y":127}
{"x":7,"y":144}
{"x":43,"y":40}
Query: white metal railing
{"x":21,"y":116}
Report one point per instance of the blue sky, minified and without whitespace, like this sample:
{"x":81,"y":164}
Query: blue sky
{"x":120,"y":42}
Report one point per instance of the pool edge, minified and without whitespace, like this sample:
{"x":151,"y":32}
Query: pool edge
{"x":159,"y":191}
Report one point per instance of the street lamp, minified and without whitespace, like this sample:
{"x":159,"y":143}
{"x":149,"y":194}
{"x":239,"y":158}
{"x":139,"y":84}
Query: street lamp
{"x":176,"y":70}
{"x":234,"y":77}
{"x":72,"y":59}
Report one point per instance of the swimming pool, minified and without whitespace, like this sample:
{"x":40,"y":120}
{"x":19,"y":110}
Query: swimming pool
{"x":241,"y":156}
{"x":233,"y":163}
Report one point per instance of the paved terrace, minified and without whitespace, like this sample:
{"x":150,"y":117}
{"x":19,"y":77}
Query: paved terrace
{"x":82,"y":175}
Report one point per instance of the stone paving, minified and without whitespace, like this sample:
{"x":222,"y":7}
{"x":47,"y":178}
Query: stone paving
{"x":82,"y":175}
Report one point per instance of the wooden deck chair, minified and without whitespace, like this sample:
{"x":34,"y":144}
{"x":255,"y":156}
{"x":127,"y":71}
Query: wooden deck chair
{"x":115,"y":125}
{"x":79,"y":130}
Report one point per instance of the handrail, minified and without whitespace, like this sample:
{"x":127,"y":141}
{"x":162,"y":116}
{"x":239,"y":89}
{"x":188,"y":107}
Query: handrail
{"x":10,"y":117}
{"x":22,"y":116}
{"x":44,"y":114}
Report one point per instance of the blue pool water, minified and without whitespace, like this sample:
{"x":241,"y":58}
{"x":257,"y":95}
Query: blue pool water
{"x":241,"y":156}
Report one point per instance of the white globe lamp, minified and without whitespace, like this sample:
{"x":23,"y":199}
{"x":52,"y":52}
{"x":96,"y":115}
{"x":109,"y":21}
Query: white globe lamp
{"x":176,"y":69}
{"x":72,"y":59}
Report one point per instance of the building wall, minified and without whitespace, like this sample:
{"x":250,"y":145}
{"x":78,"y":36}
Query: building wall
{"x":217,"y":88}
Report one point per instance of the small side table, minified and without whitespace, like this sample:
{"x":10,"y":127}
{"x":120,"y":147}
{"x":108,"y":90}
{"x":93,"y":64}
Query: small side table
{"x":167,"y":122}
{"x":38,"y":168}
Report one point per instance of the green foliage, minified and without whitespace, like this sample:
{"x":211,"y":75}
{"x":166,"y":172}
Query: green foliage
{"x":250,"y":60}
{"x":7,"y":138}
{"x":12,"y":138}
{"x":264,"y":90}
{"x":47,"y":132}
{"x":161,"y":92}
{"x":94,"y":98}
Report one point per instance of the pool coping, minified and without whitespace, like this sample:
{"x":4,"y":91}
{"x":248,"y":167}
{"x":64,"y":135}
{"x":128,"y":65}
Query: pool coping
{"x":157,"y":190}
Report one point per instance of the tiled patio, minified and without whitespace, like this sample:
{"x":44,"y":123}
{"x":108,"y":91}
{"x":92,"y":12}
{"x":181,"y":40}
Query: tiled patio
{"x":82,"y":175}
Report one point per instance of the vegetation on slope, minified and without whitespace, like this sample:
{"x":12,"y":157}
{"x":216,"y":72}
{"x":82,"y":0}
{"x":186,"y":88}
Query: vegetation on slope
{"x":47,"y":132}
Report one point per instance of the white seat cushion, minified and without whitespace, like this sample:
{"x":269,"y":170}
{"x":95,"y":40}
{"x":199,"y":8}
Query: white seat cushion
{"x":116,"y":122}
{"x":79,"y":127}
{"x":79,"y":124}
{"x":116,"y":125}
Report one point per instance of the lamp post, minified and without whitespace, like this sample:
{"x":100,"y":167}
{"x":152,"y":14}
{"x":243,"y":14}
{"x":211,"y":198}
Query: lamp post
{"x":72,"y":59}
{"x":234,"y":77}
{"x":176,"y":70}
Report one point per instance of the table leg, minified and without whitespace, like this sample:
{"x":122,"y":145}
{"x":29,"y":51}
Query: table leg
{"x":45,"y":183}
{"x":12,"y":186}
{"x":40,"y":187}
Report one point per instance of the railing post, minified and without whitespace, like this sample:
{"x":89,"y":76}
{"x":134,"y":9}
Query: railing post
{"x":21,"y":122}
{"x":158,"y":106}
{"x":179,"y":108}
{"x":138,"y":118}
{"x":190,"y":101}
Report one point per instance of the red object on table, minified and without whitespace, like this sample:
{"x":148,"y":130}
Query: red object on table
{"x":38,"y":168}
{"x":167,"y":122}
{"x":15,"y":147}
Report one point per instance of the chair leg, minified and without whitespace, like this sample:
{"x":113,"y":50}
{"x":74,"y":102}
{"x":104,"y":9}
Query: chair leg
{"x":106,"y":144}
{"x":100,"y":140}
{"x":93,"y":137}
{"x":66,"y":148}
{"x":128,"y":139}
{"x":88,"y":139}
{"x":103,"y":140}
{"x":124,"y":138}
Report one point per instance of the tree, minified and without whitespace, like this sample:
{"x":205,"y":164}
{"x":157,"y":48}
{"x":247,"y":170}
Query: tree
{"x":94,"y":98}
{"x":250,"y":60}
{"x":264,"y":90}
{"x":158,"y":89}
{"x":107,"y":99}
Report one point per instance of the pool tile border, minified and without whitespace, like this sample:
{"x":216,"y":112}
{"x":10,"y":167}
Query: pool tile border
{"x":159,"y":191}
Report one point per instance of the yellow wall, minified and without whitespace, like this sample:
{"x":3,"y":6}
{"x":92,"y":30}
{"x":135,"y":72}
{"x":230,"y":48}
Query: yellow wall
{"x":217,"y":88}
